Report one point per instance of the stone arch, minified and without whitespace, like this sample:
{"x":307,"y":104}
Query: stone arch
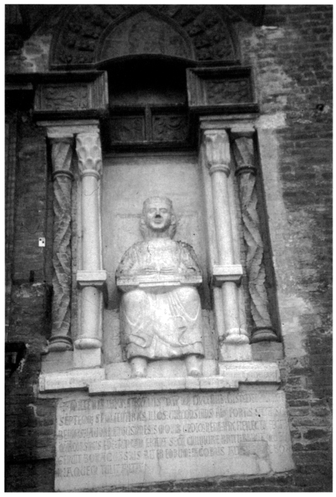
{"x":144,"y":32}
{"x":193,"y":32}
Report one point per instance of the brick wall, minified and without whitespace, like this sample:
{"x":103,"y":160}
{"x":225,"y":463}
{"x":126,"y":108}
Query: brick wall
{"x":292,"y":61}
{"x":29,"y":421}
{"x":292,"y":58}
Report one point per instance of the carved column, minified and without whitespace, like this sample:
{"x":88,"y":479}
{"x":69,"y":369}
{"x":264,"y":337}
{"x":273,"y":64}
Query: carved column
{"x":227,"y":273}
{"x":61,"y":156}
{"x":91,"y":278}
{"x":243,"y":150}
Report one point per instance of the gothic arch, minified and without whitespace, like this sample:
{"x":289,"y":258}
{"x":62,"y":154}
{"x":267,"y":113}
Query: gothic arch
{"x":144,"y":32}
{"x":85,"y":34}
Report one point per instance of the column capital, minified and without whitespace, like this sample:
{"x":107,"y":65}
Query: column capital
{"x":69,"y":128}
{"x":242,"y":130}
{"x":61,"y":154}
{"x":243,"y":152}
{"x":217,"y":150}
{"x":89,"y":154}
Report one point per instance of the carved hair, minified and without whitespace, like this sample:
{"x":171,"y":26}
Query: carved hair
{"x":145,"y":231}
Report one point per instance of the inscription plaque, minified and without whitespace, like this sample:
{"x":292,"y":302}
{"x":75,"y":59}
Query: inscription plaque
{"x":127,"y":439}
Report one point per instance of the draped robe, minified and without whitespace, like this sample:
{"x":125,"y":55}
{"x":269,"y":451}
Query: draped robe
{"x":160,"y":311}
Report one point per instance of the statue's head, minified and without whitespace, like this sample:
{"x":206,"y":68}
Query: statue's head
{"x":158,"y":218}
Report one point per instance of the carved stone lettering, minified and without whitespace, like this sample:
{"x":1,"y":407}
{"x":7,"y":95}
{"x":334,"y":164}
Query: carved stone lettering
{"x":129,"y":439}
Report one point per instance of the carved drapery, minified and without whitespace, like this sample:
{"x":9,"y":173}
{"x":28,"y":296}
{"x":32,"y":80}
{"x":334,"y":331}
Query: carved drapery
{"x":91,"y":277}
{"x":246,"y":171}
{"x":227,"y":273}
{"x":61,"y":155}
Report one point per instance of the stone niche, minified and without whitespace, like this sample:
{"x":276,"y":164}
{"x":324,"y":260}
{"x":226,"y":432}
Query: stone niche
{"x":158,"y":307}
{"x":128,"y":180}
{"x":115,"y":428}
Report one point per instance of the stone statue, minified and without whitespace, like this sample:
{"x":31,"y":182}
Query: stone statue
{"x":160,"y":308}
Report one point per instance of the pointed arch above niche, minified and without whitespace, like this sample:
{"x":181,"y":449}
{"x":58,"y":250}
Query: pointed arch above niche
{"x":89,"y":34}
{"x":145,"y":33}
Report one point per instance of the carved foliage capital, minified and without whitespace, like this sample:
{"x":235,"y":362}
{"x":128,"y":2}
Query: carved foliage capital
{"x":217,"y":150}
{"x":89,"y":154}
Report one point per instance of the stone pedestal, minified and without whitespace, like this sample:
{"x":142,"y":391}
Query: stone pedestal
{"x":120,"y":440}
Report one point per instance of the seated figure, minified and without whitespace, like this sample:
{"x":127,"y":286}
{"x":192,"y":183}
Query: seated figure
{"x":160,"y":307}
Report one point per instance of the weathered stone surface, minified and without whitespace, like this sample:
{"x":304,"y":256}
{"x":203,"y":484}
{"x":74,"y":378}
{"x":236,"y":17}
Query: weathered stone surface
{"x":117,"y":377}
{"x":220,"y":87}
{"x":124,"y":440}
{"x":292,"y":61}
{"x":196,"y":32}
{"x":243,"y":151}
{"x":72,"y":380}
{"x":142,"y":33}
{"x":251,"y":372}
{"x":162,"y":385}
{"x":82,"y":93}
{"x":172,"y":368}
{"x":62,"y":175}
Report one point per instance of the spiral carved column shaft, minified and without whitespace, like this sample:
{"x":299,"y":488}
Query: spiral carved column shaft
{"x":246,"y":171}
{"x":61,"y":156}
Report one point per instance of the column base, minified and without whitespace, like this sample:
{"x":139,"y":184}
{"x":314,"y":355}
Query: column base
{"x":60,"y":344}
{"x":89,"y":358}
{"x":87,"y":343}
{"x":230,"y":352}
{"x":264,"y":335}
{"x":236,"y":336}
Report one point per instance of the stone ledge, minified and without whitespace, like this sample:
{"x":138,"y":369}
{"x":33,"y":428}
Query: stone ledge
{"x":232,"y":272}
{"x":77,"y":379}
{"x":168,"y":369}
{"x":162,"y":385}
{"x":91,"y":278}
{"x":94,"y":380}
{"x":251,"y":372}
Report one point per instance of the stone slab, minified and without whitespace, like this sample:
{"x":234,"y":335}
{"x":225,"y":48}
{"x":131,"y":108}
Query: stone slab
{"x":116,"y":377}
{"x":251,"y":372}
{"x":233,"y":272}
{"x":172,"y":368}
{"x":57,"y":361}
{"x":161,"y":384}
{"x":87,"y":358}
{"x":234,"y":352}
{"x":156,"y":281}
{"x":71,"y":380}
{"x":140,"y":438}
{"x":267,"y":351}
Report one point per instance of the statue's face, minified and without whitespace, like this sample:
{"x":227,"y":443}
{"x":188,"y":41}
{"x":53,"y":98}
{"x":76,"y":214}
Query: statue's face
{"x":158,"y":215}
